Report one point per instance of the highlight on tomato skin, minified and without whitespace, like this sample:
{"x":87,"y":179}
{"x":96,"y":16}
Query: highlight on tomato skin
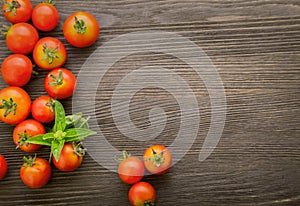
{"x":17,"y":11}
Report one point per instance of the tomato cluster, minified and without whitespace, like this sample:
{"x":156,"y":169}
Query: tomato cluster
{"x":157,"y":160}
{"x":80,"y":29}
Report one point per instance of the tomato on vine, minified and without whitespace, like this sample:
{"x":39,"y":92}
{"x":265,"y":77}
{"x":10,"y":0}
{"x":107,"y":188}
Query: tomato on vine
{"x":131,"y":169}
{"x":16,"y":11}
{"x":16,"y":70}
{"x":81,"y":29}
{"x":49,"y":53}
{"x":60,"y":83}
{"x":142,"y":194}
{"x":14,"y":105}
{"x":42,"y":109}
{"x":35,"y":172}
{"x":157,"y":159}
{"x":45,"y":16}
{"x":3,"y":167}
{"x":25,"y":130}
{"x":21,"y":38}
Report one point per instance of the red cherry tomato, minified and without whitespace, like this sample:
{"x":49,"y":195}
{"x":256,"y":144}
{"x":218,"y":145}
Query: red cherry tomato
{"x":42,"y":109}
{"x":3,"y":167}
{"x":35,"y":172}
{"x":21,"y":38}
{"x":14,"y":105}
{"x":60,"y":83}
{"x":142,"y":193}
{"x":25,"y":130}
{"x":131,"y":170}
{"x":49,"y":53}
{"x":157,"y":159}
{"x":70,"y":158}
{"x":45,"y":16}
{"x":16,"y":11}
{"x":16,"y":70}
{"x":81,"y":29}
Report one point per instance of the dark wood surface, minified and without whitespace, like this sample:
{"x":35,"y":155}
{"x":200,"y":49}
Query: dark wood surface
{"x":255,"y":47}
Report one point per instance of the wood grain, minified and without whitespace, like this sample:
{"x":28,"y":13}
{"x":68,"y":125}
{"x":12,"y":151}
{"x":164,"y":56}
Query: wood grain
{"x":255,"y":47}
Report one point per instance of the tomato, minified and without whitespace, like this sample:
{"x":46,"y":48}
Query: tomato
{"x":70,"y":158}
{"x":35,"y":172}
{"x":60,"y":83}
{"x":45,"y":16}
{"x":157,"y":159}
{"x":131,"y":170}
{"x":142,"y":194}
{"x":16,"y":70}
{"x":81,"y":29}
{"x":49,"y":53}
{"x":42,"y":109}
{"x":3,"y":167}
{"x":14,"y":105}
{"x":25,"y":130}
{"x":21,"y":38}
{"x":16,"y":11}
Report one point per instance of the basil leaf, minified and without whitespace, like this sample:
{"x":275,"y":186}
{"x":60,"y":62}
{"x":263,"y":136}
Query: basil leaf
{"x":39,"y":139}
{"x":60,"y":118}
{"x":73,"y":119}
{"x":77,"y":134}
{"x":48,"y":136}
{"x":56,"y":148}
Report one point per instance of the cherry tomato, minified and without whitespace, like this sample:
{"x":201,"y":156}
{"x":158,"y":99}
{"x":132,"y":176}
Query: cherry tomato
{"x":25,"y":130}
{"x":157,"y":159}
{"x":16,"y":70}
{"x":81,"y":29}
{"x":131,"y":170}
{"x":14,"y":105}
{"x":16,"y":11}
{"x":70,"y":158}
{"x":42,"y":109}
{"x":60,"y":83}
{"x":35,"y":172}
{"x":3,"y":167}
{"x":45,"y":16}
{"x":21,"y":38}
{"x":49,"y":53}
{"x":141,"y":194}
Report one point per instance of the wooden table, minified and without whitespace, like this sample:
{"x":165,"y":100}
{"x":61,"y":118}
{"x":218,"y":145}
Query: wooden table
{"x":255,"y":48}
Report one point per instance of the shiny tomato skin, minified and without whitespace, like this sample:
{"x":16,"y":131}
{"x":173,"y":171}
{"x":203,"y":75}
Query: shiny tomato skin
{"x":42,"y":109}
{"x":27,"y":129}
{"x":45,"y":17}
{"x":142,"y":193}
{"x":163,"y":154}
{"x":16,"y":70}
{"x":21,"y":38}
{"x":87,"y":37}
{"x":18,"y":97}
{"x":23,"y":10}
{"x":61,"y":90}
{"x":55,"y":48}
{"x":3,"y":167}
{"x":131,"y":170}
{"x":36,"y":175}
{"x":68,"y":160}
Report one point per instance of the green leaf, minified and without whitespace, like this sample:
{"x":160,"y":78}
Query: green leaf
{"x":77,"y":134}
{"x":60,"y":117}
{"x":56,"y":148}
{"x":39,"y":139}
{"x":73,"y":119}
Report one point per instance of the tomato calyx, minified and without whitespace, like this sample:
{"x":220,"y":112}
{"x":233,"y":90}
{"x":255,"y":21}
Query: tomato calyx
{"x":50,"y":53}
{"x":23,"y":138}
{"x":9,"y":105}
{"x":157,"y":158}
{"x":58,"y":80}
{"x":79,"y":26}
{"x":12,"y":7}
{"x":30,"y":161}
{"x":78,"y":149}
{"x":148,"y":203}
{"x":51,"y":104}
{"x":50,"y":2}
